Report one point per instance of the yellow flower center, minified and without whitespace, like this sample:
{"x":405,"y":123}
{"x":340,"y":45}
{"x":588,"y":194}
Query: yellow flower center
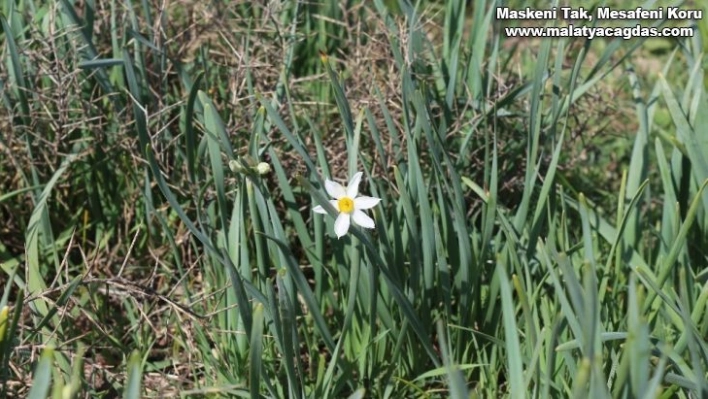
{"x":346,"y":205}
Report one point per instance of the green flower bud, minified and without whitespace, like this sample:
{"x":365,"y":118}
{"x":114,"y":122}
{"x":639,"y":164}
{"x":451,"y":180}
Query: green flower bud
{"x":235,"y":166}
{"x":263,"y":168}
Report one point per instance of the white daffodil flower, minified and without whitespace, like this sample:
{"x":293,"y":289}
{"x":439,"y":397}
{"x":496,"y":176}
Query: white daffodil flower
{"x":349,"y":206}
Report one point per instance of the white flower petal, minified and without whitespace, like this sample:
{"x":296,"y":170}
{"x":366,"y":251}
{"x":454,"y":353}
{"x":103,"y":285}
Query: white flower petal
{"x":341,"y":225}
{"x":363,"y":220}
{"x":353,"y":187}
{"x":322,"y":210}
{"x":366,"y":202}
{"x":334,"y":189}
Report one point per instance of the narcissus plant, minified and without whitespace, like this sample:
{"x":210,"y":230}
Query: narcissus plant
{"x":348,"y":205}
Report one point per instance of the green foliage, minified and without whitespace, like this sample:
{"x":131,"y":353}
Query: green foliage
{"x":542,"y":230}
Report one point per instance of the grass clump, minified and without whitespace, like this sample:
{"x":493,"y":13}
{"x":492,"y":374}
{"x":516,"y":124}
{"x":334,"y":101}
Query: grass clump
{"x":542,"y":228}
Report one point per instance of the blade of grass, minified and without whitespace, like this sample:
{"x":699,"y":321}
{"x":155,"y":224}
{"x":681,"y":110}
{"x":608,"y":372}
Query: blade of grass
{"x":514,"y":365}
{"x":135,"y":376}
